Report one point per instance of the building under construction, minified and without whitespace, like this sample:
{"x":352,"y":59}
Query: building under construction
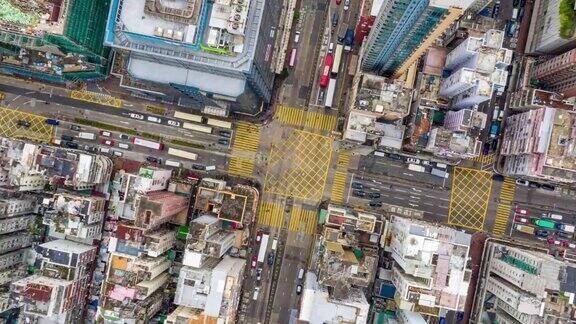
{"x":59,"y":41}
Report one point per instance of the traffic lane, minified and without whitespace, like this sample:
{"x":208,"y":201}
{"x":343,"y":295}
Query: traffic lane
{"x":135,"y":152}
{"x":25,"y":95}
{"x":386,"y":166}
{"x":545,"y":198}
{"x":394,"y":193}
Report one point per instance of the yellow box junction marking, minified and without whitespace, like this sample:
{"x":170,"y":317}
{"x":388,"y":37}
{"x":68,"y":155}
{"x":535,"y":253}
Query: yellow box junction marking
{"x":245,"y":145}
{"x":97,"y":98}
{"x":504,"y":206}
{"x":303,"y":220}
{"x":271,"y":214}
{"x":469,"y":198}
{"x":298,"y":166}
{"x":38,"y":130}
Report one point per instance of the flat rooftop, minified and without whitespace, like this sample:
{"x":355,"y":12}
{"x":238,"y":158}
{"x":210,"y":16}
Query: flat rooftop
{"x":33,"y":16}
{"x":67,"y":246}
{"x":560,"y":158}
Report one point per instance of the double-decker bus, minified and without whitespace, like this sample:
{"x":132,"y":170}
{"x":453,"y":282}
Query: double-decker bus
{"x":325,"y":77}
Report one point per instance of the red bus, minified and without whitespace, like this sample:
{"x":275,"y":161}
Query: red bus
{"x":147,"y":143}
{"x":292,"y":58}
{"x":325,"y":77}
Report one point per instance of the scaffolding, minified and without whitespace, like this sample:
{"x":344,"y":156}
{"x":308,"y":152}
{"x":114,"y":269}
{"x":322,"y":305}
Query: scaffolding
{"x":520,"y":264}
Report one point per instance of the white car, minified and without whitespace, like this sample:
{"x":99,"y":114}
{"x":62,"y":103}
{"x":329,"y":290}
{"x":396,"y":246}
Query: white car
{"x":522,"y":182}
{"x":154,"y":119}
{"x":413,"y":160}
{"x":173,"y":123}
{"x":136,"y":116}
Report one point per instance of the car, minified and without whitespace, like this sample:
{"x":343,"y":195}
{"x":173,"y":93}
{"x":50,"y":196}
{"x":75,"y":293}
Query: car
{"x":104,"y":150}
{"x":338,"y":2}
{"x":258,"y":236}
{"x":394,"y":156}
{"x":413,"y":160}
{"x":270,"y":259}
{"x":497,"y":177}
{"x":153,"y":159}
{"x":357,"y":185}
{"x":374,"y":195}
{"x":105,"y":133}
{"x":71,"y":145}
{"x":67,"y":138}
{"x":23,"y":123}
{"x":553,"y":241}
{"x":258,"y":274}
{"x":124,"y":146}
{"x":298,"y":289}
{"x":359,"y":193}
{"x":542,"y":233}
{"x":108,"y":142}
{"x":564,"y":243}
{"x":377,"y":204}
{"x":223,"y":141}
{"x":225,"y":134}
{"x":426,"y":163}
{"x":522,"y":182}
{"x":154,"y":119}
{"x":564,"y":234}
{"x":124,"y":137}
{"x":253,"y":263}
{"x":335,"y":18}
{"x":572,"y":246}
{"x":75,"y":128}
{"x":486,"y":148}
{"x":197,"y":166}
{"x":173,"y":123}
{"x":532,"y":184}
{"x":136,"y":116}
{"x":521,"y":211}
{"x":521,"y":220}
{"x":346,"y":5}
{"x":548,"y":187}
{"x":117,"y":153}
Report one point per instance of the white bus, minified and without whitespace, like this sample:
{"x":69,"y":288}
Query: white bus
{"x":147,"y":143}
{"x":330,"y":93}
{"x":337,"y":59}
{"x":198,"y":128}
{"x":189,"y":117}
{"x":182,"y":154}
{"x":219,"y":123}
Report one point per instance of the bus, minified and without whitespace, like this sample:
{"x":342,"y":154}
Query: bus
{"x":292,"y":61}
{"x":337,"y":59}
{"x":543,"y":223}
{"x":263,"y":247}
{"x":182,"y":154}
{"x":219,"y":123}
{"x":198,"y":128}
{"x":330,"y":93}
{"x":147,"y":143}
{"x":325,"y":77}
{"x":189,"y":117}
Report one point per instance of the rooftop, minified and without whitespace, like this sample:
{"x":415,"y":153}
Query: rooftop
{"x":561,"y":155}
{"x":225,"y":204}
{"x":382,"y":98}
{"x":67,"y":246}
{"x":35,"y":16}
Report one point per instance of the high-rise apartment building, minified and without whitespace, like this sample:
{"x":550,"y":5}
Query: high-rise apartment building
{"x":403,"y":30}
{"x":558,"y":73}
{"x":546,"y":35}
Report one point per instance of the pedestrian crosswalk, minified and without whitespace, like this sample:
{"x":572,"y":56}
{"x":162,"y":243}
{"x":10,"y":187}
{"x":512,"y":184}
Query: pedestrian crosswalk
{"x":338,"y":187}
{"x":298,"y":117}
{"x":485,"y":159}
{"x":302,"y":220}
{"x":343,"y":159}
{"x":504,"y":206}
{"x":246,"y":141}
{"x":289,"y":115}
{"x":320,"y":121}
{"x":271,"y":214}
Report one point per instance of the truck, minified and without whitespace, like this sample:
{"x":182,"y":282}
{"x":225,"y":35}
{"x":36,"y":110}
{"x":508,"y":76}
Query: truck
{"x":494,"y":127}
{"x":514,"y":14}
{"x":348,"y":39}
{"x":330,"y":93}
{"x":86,"y":135}
{"x":263,"y":247}
{"x":416,"y":167}
{"x":197,"y":128}
{"x":147,"y":143}
{"x":566,"y":228}
{"x":440,"y":173}
{"x":543,"y":223}
{"x":524,"y":229}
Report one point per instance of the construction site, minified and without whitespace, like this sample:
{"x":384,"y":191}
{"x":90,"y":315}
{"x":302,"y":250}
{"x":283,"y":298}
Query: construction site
{"x":59,"y":41}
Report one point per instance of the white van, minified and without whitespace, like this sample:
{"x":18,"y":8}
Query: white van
{"x":441,"y":166}
{"x":256,"y":291}
{"x":104,"y":150}
{"x":124,"y":146}
{"x":154,"y":119}
{"x":556,"y":216}
{"x":300,"y":274}
{"x":171,"y":163}
{"x":331,"y":48}
{"x":297,"y":37}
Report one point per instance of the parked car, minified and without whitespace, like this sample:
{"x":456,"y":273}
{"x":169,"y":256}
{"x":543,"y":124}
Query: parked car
{"x":522,"y":182}
{"x":137,"y":116}
{"x":223,"y":141}
{"x":225,"y":134}
{"x":258,"y":236}
{"x":521,"y":211}
{"x":72,"y":145}
{"x":270,"y":259}
{"x":298,"y":289}
{"x":533,"y":184}
{"x":253,"y":263}
{"x":124,"y":137}
{"x":377,"y":204}
{"x":75,"y":128}
{"x":357,"y":185}
{"x":413,"y":160}
{"x":346,"y":5}
{"x":117,"y":153}
{"x":105,"y":133}
{"x":153,"y":159}
{"x":108,"y":142}
{"x":374,"y":195}
{"x":359,"y":193}
{"x":553,"y":241}
{"x":394,"y":156}
{"x":542,"y":233}
{"x":548,"y":187}
{"x":521,"y":220}
{"x":67,"y":138}
{"x":154,"y":119}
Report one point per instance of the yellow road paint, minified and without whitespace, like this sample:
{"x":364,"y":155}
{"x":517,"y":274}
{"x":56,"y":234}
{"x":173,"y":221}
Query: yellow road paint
{"x":38,"y":130}
{"x":469,"y":198}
